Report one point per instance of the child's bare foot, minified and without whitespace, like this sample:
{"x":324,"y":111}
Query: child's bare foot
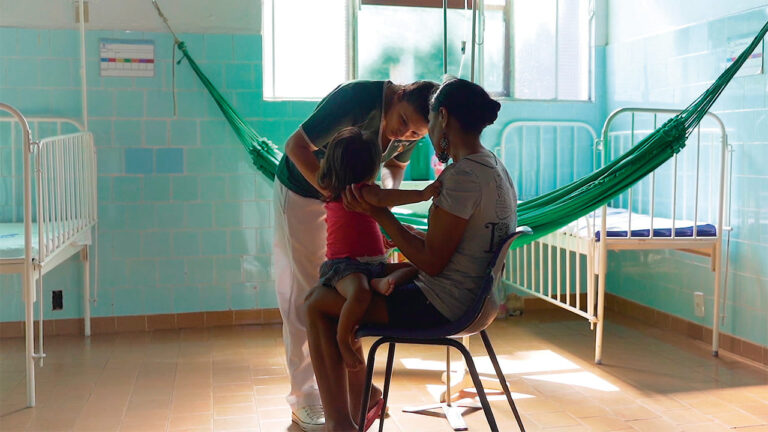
{"x":349,"y":354}
{"x":383,"y":286}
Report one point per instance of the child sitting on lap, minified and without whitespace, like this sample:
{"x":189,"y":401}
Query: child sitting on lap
{"x":355,"y":254}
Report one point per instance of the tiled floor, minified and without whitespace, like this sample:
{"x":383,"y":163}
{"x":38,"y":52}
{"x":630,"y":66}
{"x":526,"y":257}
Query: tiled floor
{"x":234,"y":379}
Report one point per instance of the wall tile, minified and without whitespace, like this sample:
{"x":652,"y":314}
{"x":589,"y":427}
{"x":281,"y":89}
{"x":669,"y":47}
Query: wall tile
{"x":227,"y":270}
{"x":130,"y":104}
{"x":155,"y":244}
{"x":128,"y":133}
{"x":198,"y":161}
{"x":184,"y":133}
{"x":171,"y":272}
{"x":247,"y":48}
{"x":184,"y":188}
{"x":199,"y":216}
{"x":142,"y":273}
{"x":139,"y":161}
{"x":169,"y":215}
{"x":156,"y":133}
{"x":214,"y":242}
{"x":218,"y":47}
{"x":157,"y":188}
{"x":169,"y":161}
{"x":186,"y":243}
{"x":200,"y":270}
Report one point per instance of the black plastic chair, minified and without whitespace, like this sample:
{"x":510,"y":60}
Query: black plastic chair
{"x":477,"y":318}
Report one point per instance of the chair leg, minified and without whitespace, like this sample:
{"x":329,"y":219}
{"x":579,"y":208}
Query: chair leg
{"x":478,"y":383}
{"x":368,"y":384}
{"x":502,"y":378}
{"x":387,"y":382}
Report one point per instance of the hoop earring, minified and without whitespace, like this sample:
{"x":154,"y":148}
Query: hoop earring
{"x":443,"y":155}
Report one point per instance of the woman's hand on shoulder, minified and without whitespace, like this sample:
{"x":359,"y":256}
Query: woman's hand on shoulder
{"x":354,"y":200}
{"x":432,"y":190}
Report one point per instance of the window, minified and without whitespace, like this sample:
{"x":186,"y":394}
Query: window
{"x":552,"y":49}
{"x":525,"y":49}
{"x":405,"y":44}
{"x":305,"y":47}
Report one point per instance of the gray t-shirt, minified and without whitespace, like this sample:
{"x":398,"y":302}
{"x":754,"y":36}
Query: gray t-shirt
{"x":476,"y":188}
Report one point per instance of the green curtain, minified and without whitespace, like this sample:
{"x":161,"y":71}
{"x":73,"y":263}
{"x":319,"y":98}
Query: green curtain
{"x":551,"y":211}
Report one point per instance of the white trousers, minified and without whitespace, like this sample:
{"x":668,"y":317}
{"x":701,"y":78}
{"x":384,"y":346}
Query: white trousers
{"x":299,"y":250}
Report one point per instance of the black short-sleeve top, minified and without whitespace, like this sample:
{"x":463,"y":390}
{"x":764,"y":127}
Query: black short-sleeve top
{"x":355,"y":103}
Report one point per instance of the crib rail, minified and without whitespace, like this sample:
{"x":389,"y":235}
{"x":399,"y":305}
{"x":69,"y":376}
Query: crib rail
{"x":568,"y":268}
{"x":36,"y":126}
{"x":697,"y":173}
{"x":541,"y":156}
{"x":65,"y":189}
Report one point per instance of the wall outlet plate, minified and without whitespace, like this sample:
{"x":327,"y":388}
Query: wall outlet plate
{"x":57,"y":300}
{"x":698,"y":303}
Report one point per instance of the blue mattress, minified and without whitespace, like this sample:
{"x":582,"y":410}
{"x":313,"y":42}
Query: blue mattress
{"x":619,"y":220}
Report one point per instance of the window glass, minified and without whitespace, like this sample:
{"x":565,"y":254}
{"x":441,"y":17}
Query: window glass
{"x":495,"y":46}
{"x":573,"y":50}
{"x":304,"y":47}
{"x":534,"y":24}
{"x":405,"y":44}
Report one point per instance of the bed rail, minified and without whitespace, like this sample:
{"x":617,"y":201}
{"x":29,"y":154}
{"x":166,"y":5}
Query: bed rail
{"x":59,"y":203}
{"x":567,"y":268}
{"x":66,"y":189}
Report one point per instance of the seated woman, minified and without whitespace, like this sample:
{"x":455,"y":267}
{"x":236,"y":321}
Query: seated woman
{"x":476,"y":209}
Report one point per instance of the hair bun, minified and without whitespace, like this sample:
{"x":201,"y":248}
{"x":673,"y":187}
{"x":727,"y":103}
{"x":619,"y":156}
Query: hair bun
{"x":491,"y":111}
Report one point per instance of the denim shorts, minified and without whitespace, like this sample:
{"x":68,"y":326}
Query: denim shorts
{"x":336,"y":269}
{"x":407,"y":307}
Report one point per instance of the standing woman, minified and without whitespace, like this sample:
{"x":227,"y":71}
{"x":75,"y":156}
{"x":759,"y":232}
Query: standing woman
{"x":398,"y":116}
{"x":475,"y":211}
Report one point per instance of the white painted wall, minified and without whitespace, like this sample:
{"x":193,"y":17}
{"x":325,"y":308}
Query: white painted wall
{"x":193,"y":16}
{"x":632,"y":19}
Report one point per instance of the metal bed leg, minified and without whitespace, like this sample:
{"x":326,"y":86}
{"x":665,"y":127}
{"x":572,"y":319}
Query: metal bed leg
{"x":86,"y":289}
{"x":601,"y":297}
{"x":29,"y":328}
{"x":716,"y":303}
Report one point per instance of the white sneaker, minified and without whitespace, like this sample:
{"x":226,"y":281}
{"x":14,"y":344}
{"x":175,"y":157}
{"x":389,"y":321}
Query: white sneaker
{"x":310,"y":418}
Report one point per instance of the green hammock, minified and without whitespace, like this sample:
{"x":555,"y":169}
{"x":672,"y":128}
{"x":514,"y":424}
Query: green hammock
{"x":555,"y":209}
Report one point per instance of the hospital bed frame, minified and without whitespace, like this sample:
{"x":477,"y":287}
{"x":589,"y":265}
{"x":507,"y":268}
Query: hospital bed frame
{"x":60,"y":206}
{"x":543,"y":269}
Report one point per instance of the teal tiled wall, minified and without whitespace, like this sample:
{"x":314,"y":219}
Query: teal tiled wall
{"x":669,"y":70}
{"x":184,"y":218}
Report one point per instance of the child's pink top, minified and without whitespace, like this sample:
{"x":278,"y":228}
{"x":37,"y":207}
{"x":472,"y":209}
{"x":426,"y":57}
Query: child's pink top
{"x":351,"y":234}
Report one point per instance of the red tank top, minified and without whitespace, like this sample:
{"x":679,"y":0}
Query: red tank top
{"x":351,"y":234}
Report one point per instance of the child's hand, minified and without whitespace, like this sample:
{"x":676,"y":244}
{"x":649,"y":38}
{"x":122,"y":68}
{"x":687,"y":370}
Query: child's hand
{"x":389,"y":244}
{"x":432,"y":190}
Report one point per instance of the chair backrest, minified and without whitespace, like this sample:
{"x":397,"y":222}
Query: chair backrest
{"x":484,"y":310}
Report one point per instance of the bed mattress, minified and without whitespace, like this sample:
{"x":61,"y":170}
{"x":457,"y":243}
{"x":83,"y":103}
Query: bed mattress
{"x":12,"y":240}
{"x":618,"y":224}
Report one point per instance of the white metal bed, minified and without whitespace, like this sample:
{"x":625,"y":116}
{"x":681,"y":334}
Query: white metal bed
{"x":663,"y":211}
{"x":59,"y":213}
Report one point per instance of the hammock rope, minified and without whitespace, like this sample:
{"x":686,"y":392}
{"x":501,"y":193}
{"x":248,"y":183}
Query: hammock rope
{"x":553,"y":210}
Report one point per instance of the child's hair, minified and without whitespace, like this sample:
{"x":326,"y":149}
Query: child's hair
{"x":351,"y":158}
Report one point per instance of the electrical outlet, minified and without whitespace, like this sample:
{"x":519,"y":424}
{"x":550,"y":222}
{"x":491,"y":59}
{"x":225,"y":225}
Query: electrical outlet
{"x":57,"y":300}
{"x":698,"y":303}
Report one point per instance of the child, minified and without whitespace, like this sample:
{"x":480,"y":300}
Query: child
{"x":355,"y":255}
